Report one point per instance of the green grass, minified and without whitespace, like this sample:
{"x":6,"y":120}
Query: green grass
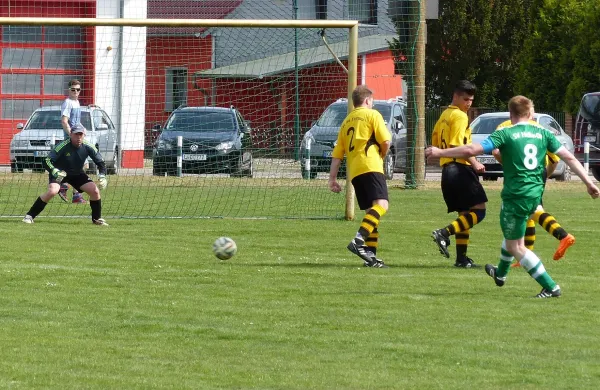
{"x":145,"y":304}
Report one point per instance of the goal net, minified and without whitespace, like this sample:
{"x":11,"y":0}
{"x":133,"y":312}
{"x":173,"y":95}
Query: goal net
{"x":195,"y":117}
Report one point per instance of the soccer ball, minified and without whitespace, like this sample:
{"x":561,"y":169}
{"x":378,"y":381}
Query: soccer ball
{"x":224,"y":248}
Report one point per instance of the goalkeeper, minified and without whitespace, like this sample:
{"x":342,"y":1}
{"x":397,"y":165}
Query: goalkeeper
{"x":65,"y":165}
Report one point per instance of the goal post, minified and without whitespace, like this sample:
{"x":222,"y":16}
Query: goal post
{"x":139,"y":72}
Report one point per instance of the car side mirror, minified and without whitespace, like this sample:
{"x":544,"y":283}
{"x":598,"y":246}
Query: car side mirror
{"x":102,"y":126}
{"x":399,"y":125}
{"x":20,"y":126}
{"x":156,"y":128}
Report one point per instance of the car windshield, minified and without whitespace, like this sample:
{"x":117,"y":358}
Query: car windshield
{"x":486,"y":125}
{"x":590,"y":109}
{"x":51,"y":120}
{"x":335,"y":114}
{"x":199,"y":121}
{"x":384,"y":109}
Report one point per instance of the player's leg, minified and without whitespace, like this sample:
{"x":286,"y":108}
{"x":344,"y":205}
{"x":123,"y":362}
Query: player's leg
{"x":529,"y":238}
{"x":64,"y":187}
{"x":372,"y":196}
{"x":41,"y":202}
{"x":89,"y":187}
{"x":551,"y":225}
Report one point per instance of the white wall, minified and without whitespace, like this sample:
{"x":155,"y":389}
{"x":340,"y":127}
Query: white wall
{"x":121,"y":72}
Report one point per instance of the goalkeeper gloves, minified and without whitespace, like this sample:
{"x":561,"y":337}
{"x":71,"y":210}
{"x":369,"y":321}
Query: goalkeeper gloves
{"x":59,"y":175}
{"x":102,"y":182}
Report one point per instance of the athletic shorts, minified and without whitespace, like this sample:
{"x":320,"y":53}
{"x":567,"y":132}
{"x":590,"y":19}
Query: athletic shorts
{"x":74,"y":180}
{"x":514,"y":215}
{"x":369,"y":187}
{"x":461,"y":187}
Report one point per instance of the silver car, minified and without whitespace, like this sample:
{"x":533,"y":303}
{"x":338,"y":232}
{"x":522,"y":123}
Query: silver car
{"x":485,"y":124}
{"x":43,"y":131}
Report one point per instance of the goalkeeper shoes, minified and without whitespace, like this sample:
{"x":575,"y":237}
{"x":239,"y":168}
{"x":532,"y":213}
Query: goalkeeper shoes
{"x":99,"y":221}
{"x":28,"y":219}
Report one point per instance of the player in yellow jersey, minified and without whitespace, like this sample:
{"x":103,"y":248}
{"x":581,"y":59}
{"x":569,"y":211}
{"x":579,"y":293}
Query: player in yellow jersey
{"x":364,"y":140}
{"x":461,"y":188}
{"x":545,"y":219}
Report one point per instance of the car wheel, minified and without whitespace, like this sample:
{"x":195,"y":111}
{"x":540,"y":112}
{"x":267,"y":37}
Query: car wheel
{"x":388,"y":166}
{"x":114,"y":166}
{"x":566,"y":175}
{"x":16,"y":167}
{"x":596,"y":172}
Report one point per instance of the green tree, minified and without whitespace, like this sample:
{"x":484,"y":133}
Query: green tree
{"x":477,"y":40}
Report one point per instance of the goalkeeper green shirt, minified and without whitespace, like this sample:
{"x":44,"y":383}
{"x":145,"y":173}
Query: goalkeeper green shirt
{"x":523,"y":147}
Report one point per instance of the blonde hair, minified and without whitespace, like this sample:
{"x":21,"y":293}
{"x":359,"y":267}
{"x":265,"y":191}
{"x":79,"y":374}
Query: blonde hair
{"x":520,"y":106}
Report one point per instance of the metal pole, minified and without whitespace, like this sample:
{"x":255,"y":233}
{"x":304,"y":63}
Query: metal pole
{"x":586,"y":157}
{"x":296,"y":90}
{"x":419,"y":151}
{"x":179,"y":156}
{"x":352,"y":76}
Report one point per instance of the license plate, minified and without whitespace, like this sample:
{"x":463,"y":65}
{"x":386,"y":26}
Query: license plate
{"x":194,"y":157}
{"x":327,"y":154}
{"x":487,"y":160}
{"x":41,"y":153}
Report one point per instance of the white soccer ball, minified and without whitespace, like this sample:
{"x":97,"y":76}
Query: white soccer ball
{"x":224,"y":248}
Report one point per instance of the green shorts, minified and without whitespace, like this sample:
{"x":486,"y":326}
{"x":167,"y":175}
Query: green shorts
{"x":514,"y":214}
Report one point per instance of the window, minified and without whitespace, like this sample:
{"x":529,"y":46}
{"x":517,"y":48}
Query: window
{"x":321,"y":6}
{"x":21,"y":58}
{"x":18,"y":108}
{"x":175,"y":88}
{"x":21,"y":83}
{"x":365,"y":11}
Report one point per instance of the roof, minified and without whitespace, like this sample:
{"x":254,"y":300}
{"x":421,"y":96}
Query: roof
{"x":188,"y":9}
{"x":281,"y":63}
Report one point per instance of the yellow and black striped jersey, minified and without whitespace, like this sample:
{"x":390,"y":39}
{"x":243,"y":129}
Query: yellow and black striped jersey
{"x":359,"y":138}
{"x":452,"y":130}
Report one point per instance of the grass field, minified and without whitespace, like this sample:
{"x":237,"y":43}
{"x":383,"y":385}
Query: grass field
{"x":145,"y":304}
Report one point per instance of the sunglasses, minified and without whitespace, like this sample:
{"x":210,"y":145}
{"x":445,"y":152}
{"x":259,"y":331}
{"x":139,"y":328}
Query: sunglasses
{"x":75,"y":89}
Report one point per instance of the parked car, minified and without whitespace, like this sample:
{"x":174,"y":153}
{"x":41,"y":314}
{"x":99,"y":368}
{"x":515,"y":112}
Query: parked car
{"x":214,"y":140}
{"x":323,"y":135}
{"x":43,"y":130}
{"x":587,"y":129}
{"x":485,"y":124}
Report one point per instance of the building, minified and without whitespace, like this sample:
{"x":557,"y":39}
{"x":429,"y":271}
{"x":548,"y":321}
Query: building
{"x":139,"y":75}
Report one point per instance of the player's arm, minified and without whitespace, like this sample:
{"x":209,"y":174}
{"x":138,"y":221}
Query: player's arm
{"x":96,"y":158}
{"x":382,"y":135}
{"x":464,"y":151}
{"x":48,"y":164}
{"x":497,"y":155}
{"x":578,"y":169}
{"x":65,"y":124}
{"x":551,"y":163}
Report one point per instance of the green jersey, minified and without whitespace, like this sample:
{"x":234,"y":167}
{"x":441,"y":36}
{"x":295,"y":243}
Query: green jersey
{"x":523,"y":147}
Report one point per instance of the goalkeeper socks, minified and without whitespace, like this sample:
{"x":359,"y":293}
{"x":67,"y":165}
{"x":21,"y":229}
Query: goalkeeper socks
{"x":549,"y":223}
{"x":536,"y":270}
{"x":371,"y":221}
{"x":96,"y":206}
{"x":530,"y":234}
{"x":37,"y":208}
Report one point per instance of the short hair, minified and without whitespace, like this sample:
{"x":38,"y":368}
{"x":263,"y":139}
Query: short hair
{"x":465,"y":87}
{"x":520,"y":106}
{"x":74,"y":82}
{"x":359,"y":95}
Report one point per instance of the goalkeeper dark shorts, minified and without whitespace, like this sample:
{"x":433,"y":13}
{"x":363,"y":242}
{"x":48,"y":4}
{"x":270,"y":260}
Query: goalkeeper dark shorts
{"x":461,"y":187}
{"x":76,"y":181}
{"x":369,"y":187}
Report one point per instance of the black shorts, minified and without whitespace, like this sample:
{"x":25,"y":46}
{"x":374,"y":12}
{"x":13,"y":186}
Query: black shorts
{"x":461,"y":187}
{"x":369,"y":187}
{"x":74,"y":180}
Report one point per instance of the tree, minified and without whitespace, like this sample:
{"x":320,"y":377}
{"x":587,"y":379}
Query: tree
{"x":477,"y":40}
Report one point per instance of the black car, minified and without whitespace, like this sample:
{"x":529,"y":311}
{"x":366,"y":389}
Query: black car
{"x":214,"y":140}
{"x":319,"y":141}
